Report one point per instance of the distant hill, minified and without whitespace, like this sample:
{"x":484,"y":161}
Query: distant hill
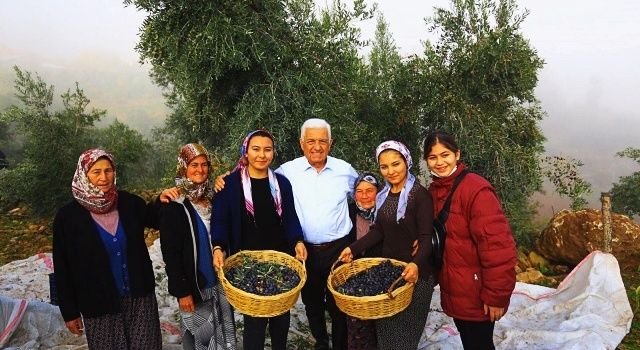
{"x":123,"y":89}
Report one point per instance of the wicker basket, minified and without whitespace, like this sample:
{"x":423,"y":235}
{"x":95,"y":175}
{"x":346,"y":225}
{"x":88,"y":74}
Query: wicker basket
{"x":368,"y":307}
{"x":260,"y":305}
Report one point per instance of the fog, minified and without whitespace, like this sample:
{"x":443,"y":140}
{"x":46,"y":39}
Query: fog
{"x":587,"y":87}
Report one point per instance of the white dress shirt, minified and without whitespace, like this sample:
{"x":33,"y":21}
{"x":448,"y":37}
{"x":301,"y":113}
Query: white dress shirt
{"x":321,"y":197}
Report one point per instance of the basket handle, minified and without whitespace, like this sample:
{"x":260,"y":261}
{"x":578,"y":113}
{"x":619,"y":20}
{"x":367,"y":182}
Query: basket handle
{"x":393,"y":285}
{"x":334,"y":265}
{"x":220,"y":274}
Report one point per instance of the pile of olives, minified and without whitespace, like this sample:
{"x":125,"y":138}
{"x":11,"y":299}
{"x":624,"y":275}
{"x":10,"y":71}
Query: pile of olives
{"x":262,"y":278}
{"x":372,"y":281}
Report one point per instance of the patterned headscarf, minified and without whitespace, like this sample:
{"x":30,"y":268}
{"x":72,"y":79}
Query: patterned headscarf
{"x":243,"y":168}
{"x":88,"y":195}
{"x":191,"y":190}
{"x":404,"y":193}
{"x":370,"y":178}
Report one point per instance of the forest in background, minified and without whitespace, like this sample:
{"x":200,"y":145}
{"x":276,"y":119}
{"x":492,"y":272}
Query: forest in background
{"x":229,"y":67}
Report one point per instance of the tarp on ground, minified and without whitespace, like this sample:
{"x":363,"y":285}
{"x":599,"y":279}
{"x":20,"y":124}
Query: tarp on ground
{"x":589,"y":310}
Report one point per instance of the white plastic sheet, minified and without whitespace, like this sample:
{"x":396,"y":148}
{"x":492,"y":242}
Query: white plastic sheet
{"x":588,"y":310}
{"x":11,"y":312}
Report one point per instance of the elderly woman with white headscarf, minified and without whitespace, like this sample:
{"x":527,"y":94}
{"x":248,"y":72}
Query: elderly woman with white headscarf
{"x":103,"y":272}
{"x":185,"y":227}
{"x":404,"y":213}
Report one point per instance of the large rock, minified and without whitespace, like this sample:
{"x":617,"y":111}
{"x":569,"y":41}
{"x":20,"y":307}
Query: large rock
{"x":570,"y":236}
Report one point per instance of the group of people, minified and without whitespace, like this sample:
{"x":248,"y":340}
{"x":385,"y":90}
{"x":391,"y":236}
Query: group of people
{"x":316,"y":208}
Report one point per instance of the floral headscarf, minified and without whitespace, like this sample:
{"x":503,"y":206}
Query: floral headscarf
{"x":87,"y":194}
{"x":370,"y":178}
{"x":192,"y":191}
{"x":404,"y":193}
{"x":243,"y":168}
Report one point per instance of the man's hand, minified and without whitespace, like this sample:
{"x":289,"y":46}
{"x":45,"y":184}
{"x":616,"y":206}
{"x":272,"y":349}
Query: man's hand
{"x":301,"y":251}
{"x":495,"y":313}
{"x":169,"y":194}
{"x":75,"y":326}
{"x":219,"y":183}
{"x":186,"y":304}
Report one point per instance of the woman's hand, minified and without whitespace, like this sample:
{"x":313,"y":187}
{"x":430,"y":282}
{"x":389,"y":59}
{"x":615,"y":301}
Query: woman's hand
{"x":495,"y":313}
{"x":218,"y":258}
{"x":219,"y":183}
{"x":410,"y":273}
{"x":346,"y":255}
{"x":186,"y":304}
{"x":169,"y":194}
{"x":75,"y":326}
{"x":301,"y":251}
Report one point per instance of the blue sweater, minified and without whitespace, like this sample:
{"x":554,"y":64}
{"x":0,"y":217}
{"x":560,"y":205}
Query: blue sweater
{"x":228,"y":204}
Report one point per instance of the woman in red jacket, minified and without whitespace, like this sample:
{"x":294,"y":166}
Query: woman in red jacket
{"x":478,"y":271}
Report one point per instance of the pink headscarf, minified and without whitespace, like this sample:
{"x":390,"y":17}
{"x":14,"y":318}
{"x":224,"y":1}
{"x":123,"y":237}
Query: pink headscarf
{"x":88,"y":195}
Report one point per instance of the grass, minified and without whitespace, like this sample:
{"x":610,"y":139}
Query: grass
{"x":631,"y":278}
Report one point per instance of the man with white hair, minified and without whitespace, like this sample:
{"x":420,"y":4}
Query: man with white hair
{"x":321,"y":186}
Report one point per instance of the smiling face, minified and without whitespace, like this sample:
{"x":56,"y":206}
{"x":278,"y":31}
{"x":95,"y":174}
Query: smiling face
{"x":259,"y":155}
{"x":366,"y":195}
{"x":393,"y":168}
{"x":198,"y":170}
{"x":101,"y":174}
{"x":316,"y":145}
{"x":441,"y":160}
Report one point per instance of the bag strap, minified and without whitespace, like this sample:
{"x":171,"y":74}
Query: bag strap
{"x":444,"y":213}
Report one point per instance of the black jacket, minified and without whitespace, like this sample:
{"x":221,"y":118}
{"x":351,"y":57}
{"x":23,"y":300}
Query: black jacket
{"x":84,"y":280}
{"x":177,"y":239}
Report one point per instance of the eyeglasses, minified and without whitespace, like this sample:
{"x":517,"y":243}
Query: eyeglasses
{"x":312,"y":142}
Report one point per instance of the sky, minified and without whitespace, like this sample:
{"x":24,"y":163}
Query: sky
{"x":588,"y":86}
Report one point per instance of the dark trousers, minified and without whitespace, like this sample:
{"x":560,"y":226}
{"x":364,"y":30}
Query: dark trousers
{"x":476,"y":335}
{"x":317,"y":298}
{"x":254,"y":331}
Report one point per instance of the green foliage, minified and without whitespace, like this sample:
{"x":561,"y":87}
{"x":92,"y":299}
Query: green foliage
{"x":386,"y":109}
{"x":53,"y":140}
{"x":231,"y":67}
{"x":563,"y":174}
{"x":52,"y":143}
{"x":128,"y":148}
{"x":625,"y":193}
{"x":477,"y":82}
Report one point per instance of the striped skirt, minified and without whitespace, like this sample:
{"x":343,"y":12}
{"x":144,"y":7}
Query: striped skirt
{"x":211,"y":326}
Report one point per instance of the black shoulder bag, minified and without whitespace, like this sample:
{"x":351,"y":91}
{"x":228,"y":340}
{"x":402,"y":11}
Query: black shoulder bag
{"x":439,"y":232}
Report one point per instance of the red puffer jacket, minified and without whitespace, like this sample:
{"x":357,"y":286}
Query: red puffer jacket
{"x":480,"y":255}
